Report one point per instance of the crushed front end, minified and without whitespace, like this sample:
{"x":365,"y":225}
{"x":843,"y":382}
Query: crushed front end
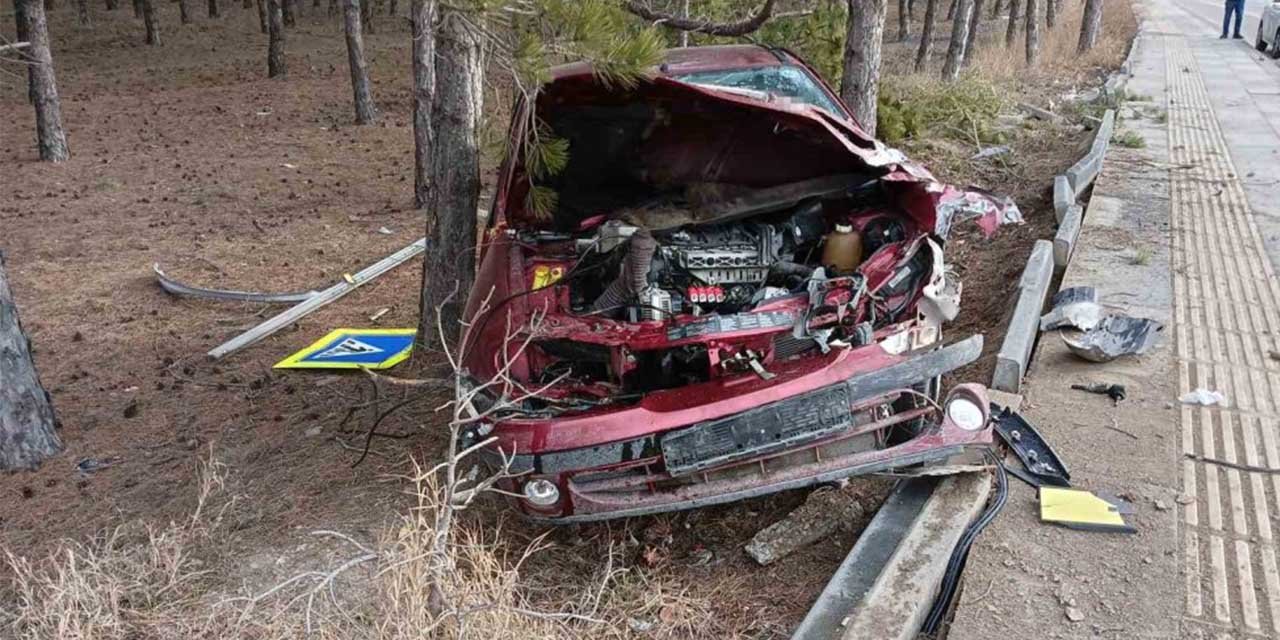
{"x":732,"y":297}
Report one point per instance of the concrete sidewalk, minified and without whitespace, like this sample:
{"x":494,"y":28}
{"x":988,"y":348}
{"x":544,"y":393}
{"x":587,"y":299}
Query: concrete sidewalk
{"x":1181,"y":231}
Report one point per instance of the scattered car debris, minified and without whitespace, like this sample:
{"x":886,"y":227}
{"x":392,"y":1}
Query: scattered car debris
{"x":825,"y":510}
{"x":1043,"y":467}
{"x":1115,"y":336}
{"x":179,"y":289}
{"x":990,"y":152}
{"x":321,"y":299}
{"x":1075,"y":307}
{"x":385,"y":231}
{"x":379,"y":313}
{"x":1113,"y":391}
{"x":92,"y":465}
{"x":1080,"y":509}
{"x":1203,"y":397}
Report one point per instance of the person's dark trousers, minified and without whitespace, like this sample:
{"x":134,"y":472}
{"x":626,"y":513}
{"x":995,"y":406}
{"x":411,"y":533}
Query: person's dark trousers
{"x":1236,"y":6}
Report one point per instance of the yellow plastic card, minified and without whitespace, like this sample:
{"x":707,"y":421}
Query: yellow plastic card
{"x":1080,"y":509}
{"x":354,"y":349}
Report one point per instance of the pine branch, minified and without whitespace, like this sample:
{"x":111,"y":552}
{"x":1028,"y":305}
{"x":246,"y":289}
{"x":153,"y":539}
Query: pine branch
{"x":702,"y":25}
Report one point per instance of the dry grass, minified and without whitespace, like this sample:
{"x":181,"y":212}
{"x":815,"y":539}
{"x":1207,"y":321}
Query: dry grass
{"x":157,"y":583}
{"x":1058,"y":57}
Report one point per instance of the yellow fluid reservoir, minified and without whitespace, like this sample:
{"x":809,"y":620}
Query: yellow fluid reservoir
{"x":843,"y":249}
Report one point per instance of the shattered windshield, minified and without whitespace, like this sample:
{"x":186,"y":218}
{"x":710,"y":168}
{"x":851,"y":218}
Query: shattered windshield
{"x":782,"y":81}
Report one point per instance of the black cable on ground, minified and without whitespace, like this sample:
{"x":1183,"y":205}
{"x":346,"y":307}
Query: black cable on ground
{"x":955,"y":566}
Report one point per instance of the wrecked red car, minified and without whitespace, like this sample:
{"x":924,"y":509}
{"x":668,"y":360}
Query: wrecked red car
{"x":736,"y":292}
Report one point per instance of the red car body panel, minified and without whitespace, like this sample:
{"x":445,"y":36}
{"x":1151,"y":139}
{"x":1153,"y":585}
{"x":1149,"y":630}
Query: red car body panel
{"x":741,"y":150}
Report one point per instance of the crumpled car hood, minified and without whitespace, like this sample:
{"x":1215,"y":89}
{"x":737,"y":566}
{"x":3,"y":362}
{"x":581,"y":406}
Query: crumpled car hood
{"x":723,"y":155}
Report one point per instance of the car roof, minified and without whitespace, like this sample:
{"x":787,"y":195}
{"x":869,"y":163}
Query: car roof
{"x":693,"y":59}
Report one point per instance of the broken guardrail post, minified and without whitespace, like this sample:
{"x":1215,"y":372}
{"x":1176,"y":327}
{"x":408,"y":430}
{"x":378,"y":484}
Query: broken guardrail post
{"x":1083,"y":172}
{"x":1063,"y":196}
{"x":1020,"y":337}
{"x":1064,"y":242}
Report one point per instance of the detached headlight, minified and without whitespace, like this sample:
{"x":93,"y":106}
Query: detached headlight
{"x":541,"y":493}
{"x":965,"y":413}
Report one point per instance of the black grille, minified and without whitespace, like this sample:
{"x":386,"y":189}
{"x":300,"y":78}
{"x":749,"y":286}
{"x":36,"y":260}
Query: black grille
{"x":757,"y":431}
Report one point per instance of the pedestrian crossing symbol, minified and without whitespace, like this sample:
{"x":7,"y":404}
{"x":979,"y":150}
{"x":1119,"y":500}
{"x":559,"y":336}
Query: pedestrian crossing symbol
{"x":354,"y":349}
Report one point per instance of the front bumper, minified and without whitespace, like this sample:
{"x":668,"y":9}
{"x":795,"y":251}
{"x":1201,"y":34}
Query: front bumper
{"x":638,"y":475}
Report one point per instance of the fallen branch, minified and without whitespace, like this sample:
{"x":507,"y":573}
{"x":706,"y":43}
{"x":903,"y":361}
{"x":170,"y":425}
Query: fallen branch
{"x":702,"y":25}
{"x":14,"y":47}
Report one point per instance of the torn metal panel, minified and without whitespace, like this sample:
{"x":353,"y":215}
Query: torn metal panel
{"x":1115,"y":336}
{"x":1075,"y":307}
{"x":1040,"y":460}
{"x":179,"y":289}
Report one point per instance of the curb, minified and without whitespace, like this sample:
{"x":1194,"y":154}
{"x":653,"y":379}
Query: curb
{"x":1024,"y":325}
{"x":886,"y":585}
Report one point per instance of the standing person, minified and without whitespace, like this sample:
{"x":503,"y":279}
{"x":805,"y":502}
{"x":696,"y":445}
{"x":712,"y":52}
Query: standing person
{"x":1238,"y":7}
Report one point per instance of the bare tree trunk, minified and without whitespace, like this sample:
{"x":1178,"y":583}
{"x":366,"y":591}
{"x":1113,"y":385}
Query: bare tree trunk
{"x":275,"y":38}
{"x":454,"y":174}
{"x":1050,"y":13}
{"x":366,"y":16}
{"x":355,"y":56}
{"x":213,"y":9}
{"x":684,"y":13}
{"x":246,"y":4}
{"x":904,"y":20}
{"x":424,"y":88}
{"x":971,"y":39}
{"x":1033,"y":32}
{"x":959,"y":35}
{"x":1015,"y":15}
{"x":286,"y":13}
{"x":43,"y":87}
{"x":184,"y":14}
{"x":153,"y":25}
{"x":1089,"y":25}
{"x":28,"y":425}
{"x":22,"y":31}
{"x":860,"y":76}
{"x":951,"y":10}
{"x":911,"y":10}
{"x":996,"y":6}
{"x":112,"y":5}
{"x":262,"y":15}
{"x":137,"y":8}
{"x":82,"y":11}
{"x":926,"y":36}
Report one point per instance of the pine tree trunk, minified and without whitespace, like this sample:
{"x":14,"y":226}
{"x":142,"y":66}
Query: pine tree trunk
{"x":28,"y":425}
{"x":996,"y":6}
{"x":1015,"y":16}
{"x":153,"y":25}
{"x":286,"y":14}
{"x":355,"y":56}
{"x":112,"y":5}
{"x":392,"y":7}
{"x":1050,"y":13}
{"x":424,"y":87}
{"x":1089,"y":25}
{"x":959,"y":35}
{"x":911,"y":10}
{"x":213,"y":9}
{"x":904,"y":20}
{"x":926,"y":35}
{"x":971,"y":39}
{"x":137,"y":8}
{"x":454,"y":174}
{"x":184,"y":12}
{"x":366,"y":16}
{"x":246,"y":4}
{"x":1033,"y":32}
{"x":82,"y":11}
{"x":43,"y":87}
{"x":262,"y":15}
{"x":951,"y":10}
{"x":22,"y":32}
{"x":333,"y":8}
{"x":860,"y":76}
{"x":275,"y":38}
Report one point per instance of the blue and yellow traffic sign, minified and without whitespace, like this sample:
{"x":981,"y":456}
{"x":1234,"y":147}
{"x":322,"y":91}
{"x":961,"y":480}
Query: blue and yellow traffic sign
{"x":354,"y":349}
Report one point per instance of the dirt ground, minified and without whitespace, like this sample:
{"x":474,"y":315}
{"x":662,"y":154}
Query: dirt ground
{"x":187,"y":156}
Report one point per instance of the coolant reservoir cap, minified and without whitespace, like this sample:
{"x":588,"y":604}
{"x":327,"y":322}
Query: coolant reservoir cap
{"x":844,"y":228}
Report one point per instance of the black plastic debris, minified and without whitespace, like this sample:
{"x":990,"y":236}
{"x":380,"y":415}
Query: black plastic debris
{"x":1075,"y":307}
{"x":1116,"y":336}
{"x":1113,"y":391}
{"x":1040,"y":461}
